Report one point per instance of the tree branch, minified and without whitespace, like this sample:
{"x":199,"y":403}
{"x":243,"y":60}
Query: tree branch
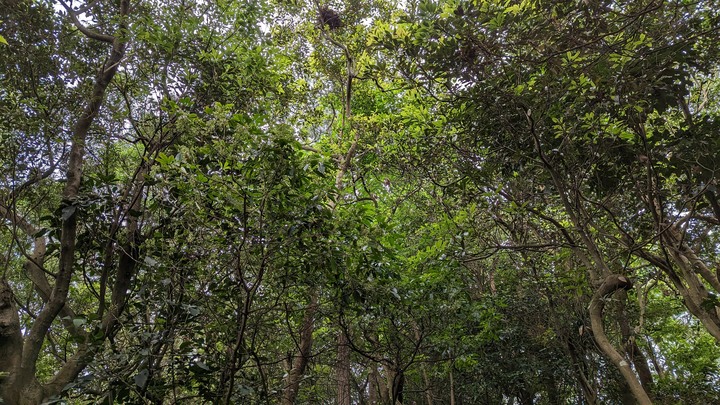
{"x":82,"y":28}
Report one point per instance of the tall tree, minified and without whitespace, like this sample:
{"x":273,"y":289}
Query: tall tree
{"x":359,"y":202}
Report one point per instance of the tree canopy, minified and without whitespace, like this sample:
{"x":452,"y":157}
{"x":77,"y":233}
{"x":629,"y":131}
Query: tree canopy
{"x":359,"y":202}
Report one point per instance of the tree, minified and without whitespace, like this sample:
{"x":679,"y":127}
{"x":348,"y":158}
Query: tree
{"x":559,"y":114}
{"x":22,"y":385}
{"x":353,"y":202}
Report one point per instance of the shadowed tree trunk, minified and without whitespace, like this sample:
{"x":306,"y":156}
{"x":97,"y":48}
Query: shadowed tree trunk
{"x":632,"y":350}
{"x":300,"y":361}
{"x":452,"y":386}
{"x":373,"y":385}
{"x":10,"y":338}
{"x":343,"y":370}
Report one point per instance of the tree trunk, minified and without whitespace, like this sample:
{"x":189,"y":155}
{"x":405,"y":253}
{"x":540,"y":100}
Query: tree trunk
{"x":597,"y":304}
{"x":383,"y":387}
{"x":304,"y":349}
{"x":423,"y":370}
{"x":398,"y":387}
{"x":588,"y":391}
{"x":373,"y":385}
{"x":428,"y":388}
{"x":21,"y":386}
{"x":452,"y":386}
{"x":10,"y":342}
{"x":342,"y":370}
{"x":632,"y":350}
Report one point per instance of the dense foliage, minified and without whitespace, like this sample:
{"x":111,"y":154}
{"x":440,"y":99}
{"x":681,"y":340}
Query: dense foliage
{"x":359,"y":202}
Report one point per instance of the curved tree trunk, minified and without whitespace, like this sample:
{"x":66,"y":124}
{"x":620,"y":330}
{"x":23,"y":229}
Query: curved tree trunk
{"x":612,"y":284}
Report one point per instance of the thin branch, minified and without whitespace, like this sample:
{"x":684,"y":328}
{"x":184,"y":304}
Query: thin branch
{"x":82,"y":28}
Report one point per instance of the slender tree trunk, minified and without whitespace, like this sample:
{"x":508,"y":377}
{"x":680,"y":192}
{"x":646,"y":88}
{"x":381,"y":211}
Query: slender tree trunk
{"x":588,"y":391}
{"x":452,"y":386}
{"x":612,"y":284}
{"x":632,"y":350}
{"x":342,"y":370}
{"x":22,"y":385}
{"x":423,"y":370}
{"x":10,"y":341}
{"x":302,"y":357}
{"x":390,"y":377}
{"x":428,"y":387}
{"x":655,"y":362}
{"x":397,"y":387}
{"x":383,"y":387}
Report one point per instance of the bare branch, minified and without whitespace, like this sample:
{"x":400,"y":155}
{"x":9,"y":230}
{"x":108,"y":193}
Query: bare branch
{"x":82,"y":28}
{"x":86,"y":8}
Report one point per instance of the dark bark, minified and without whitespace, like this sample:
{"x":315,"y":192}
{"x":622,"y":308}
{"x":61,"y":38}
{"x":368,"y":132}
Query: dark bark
{"x":712,"y":198}
{"x":383,"y":388}
{"x":632,"y":350}
{"x":373,"y":385}
{"x":302,"y":357}
{"x":588,"y":390}
{"x":342,"y":369}
{"x":238,"y":353}
{"x":452,"y":386}
{"x":10,"y":340}
{"x":398,"y":386}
